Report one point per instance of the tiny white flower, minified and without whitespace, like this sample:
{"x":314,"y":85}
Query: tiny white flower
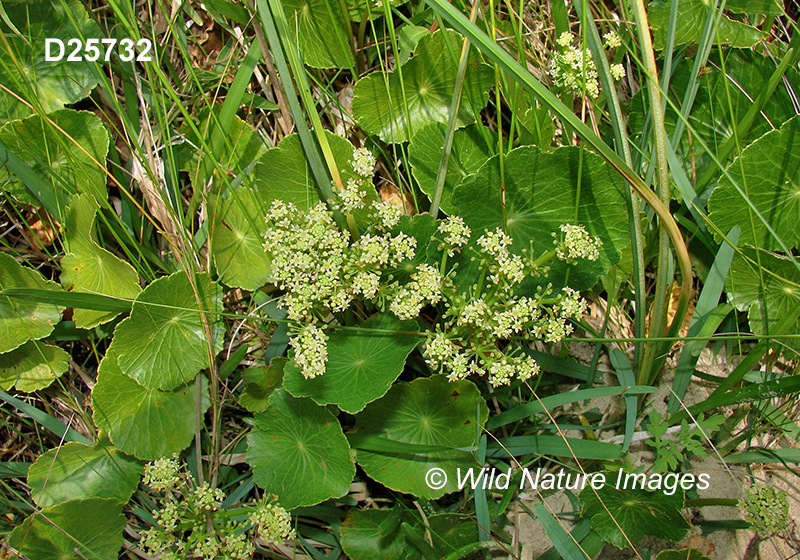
{"x":577,"y":244}
{"x":611,"y":40}
{"x":273,"y":523}
{"x":565,"y":39}
{"x":351,"y":196}
{"x":388,"y":214}
{"x":363,"y":162}
{"x":310,"y":351}
{"x":456,"y":233}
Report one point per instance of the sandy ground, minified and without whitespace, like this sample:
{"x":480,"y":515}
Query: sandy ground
{"x":726,"y":482}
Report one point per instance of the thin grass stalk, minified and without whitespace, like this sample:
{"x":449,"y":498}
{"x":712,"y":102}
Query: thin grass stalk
{"x":298,"y":70}
{"x":623,"y":148}
{"x":790,"y":59}
{"x":663,"y":277}
{"x":498,"y":104}
{"x":455,"y":104}
{"x":387,"y":14}
{"x":309,"y":147}
{"x":704,"y":49}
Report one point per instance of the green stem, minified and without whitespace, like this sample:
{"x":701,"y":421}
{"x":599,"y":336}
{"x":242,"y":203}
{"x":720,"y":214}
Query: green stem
{"x":452,"y":119}
{"x":663,"y":278}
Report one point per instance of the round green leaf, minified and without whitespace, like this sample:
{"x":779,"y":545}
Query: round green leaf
{"x":145,"y":423}
{"x":67,"y":165}
{"x":259,"y":384}
{"x":768,"y":171}
{"x":76,"y":530}
{"x":319,"y":28}
{"x":75,"y":472}
{"x":397,"y":112}
{"x":237,"y":239}
{"x":469,"y":153}
{"x":692,"y":16}
{"x":364,"y":534}
{"x":32,"y":366}
{"x":89,"y":268}
{"x":48,"y":84}
{"x":240,"y":149}
{"x":427,"y":411}
{"x":24,"y":319}
{"x":765,"y":7}
{"x":299,"y":453}
{"x":633,"y":513}
{"x":362,"y":365}
{"x":746,"y":73}
{"x":163,"y":343}
{"x":769,"y":295}
{"x":542,"y":192}
{"x":283,"y":173}
{"x":376,"y":534}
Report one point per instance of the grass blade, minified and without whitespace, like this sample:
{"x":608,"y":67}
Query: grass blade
{"x":564,"y":543}
{"x":45,"y":420}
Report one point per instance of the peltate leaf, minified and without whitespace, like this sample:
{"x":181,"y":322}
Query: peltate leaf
{"x":164,"y":342}
{"x":23,"y":319}
{"x":319,"y":28}
{"x":770,"y":294}
{"x":298,"y":452}
{"x":426,"y":90}
{"x":48,"y":84}
{"x":768,"y":172}
{"x":283,"y":173}
{"x":374,"y":534}
{"x":259,"y":384}
{"x":620,"y":515}
{"x":691,"y":20}
{"x":145,"y":423}
{"x":427,"y":411}
{"x":765,"y":7}
{"x":32,"y":366}
{"x":241,"y":148}
{"x":362,"y":365}
{"x":68,"y":165}
{"x":468,"y":154}
{"x":89,"y":268}
{"x":75,"y":472}
{"x":79,"y":529}
{"x":237,"y":237}
{"x":377,"y":534}
{"x":544,"y":190}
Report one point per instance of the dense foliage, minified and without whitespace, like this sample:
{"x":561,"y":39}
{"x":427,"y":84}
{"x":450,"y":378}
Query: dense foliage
{"x":328,"y":279}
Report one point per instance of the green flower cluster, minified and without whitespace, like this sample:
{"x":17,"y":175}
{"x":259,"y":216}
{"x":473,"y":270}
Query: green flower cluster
{"x":483,"y":331}
{"x":766,"y":508}
{"x":191,"y":526}
{"x":573,"y":69}
{"x":322,"y":272}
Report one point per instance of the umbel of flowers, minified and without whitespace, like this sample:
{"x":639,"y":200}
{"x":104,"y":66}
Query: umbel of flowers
{"x":323,"y":270}
{"x":192,"y":525}
{"x":573,"y":69}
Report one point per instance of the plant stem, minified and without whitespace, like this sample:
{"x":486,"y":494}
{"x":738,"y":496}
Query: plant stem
{"x":663,"y":278}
